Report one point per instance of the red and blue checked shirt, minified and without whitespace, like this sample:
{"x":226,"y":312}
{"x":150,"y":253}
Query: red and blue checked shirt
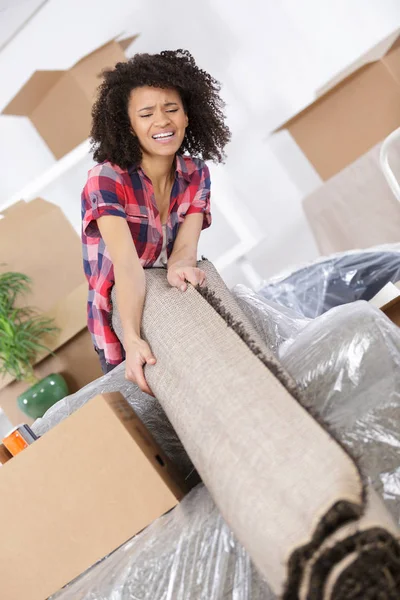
{"x":129,"y":194}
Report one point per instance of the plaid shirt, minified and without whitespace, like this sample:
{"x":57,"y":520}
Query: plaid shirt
{"x":129,"y":194}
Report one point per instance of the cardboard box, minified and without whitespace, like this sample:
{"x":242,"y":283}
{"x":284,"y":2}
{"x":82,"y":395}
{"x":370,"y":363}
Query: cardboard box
{"x":353,"y":112}
{"x":355,"y":208}
{"x":76,"y":494}
{"x":36,"y":239}
{"x":5,"y":455}
{"x":392,"y":310}
{"x":59,"y":102}
{"x":388,"y":300}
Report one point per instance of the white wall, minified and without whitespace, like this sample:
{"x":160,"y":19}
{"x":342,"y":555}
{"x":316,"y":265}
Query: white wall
{"x":271,"y":56}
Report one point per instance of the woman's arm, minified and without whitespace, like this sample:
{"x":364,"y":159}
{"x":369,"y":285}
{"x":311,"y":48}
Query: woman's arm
{"x":182,"y":264}
{"x":130,"y":286}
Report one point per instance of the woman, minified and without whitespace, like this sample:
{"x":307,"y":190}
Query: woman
{"x":149,"y":111}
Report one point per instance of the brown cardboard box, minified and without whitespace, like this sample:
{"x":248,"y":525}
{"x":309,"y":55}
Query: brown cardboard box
{"x":5,"y":455}
{"x":353,"y":112}
{"x":76,"y":494}
{"x":59,"y":102}
{"x":355,"y":208}
{"x":388,"y":301}
{"x":392,"y":310}
{"x":36,"y":239}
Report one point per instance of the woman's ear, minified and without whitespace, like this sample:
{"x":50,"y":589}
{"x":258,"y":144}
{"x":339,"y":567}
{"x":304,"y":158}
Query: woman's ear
{"x":187,"y":121}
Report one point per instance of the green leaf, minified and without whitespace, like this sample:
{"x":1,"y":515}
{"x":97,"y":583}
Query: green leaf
{"x":21,"y":329}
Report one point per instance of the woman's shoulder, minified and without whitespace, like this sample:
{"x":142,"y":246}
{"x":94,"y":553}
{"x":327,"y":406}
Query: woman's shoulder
{"x":191,"y":165}
{"x":105,"y":176}
{"x":106,"y":169}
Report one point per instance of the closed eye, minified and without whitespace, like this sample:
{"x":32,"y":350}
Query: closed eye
{"x":173,"y":110}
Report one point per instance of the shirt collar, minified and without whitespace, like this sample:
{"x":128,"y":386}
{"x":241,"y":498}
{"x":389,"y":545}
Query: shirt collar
{"x":180,"y":169}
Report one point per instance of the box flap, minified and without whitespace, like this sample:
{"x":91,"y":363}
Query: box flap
{"x":87,"y":72}
{"x":392,"y":311}
{"x":86,"y":56}
{"x":391,"y":60}
{"x":63,"y":117}
{"x":124,"y":44}
{"x":390,"y":304}
{"x":35,"y":208}
{"x":376,"y":53}
{"x":31,"y":94}
{"x":395,"y":45}
{"x":373,"y":55}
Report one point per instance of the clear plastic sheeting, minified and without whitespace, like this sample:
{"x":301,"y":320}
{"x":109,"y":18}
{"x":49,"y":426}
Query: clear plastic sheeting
{"x":348,"y":363}
{"x":277,"y":325}
{"x":343,"y":352}
{"x":346,"y":360}
{"x":312,"y":290}
{"x":189,"y":554}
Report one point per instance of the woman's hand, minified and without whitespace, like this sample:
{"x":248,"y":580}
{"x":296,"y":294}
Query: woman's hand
{"x":138,"y":354}
{"x":178,"y":275}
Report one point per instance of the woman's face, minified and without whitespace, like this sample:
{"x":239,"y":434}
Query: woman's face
{"x":158,"y":120}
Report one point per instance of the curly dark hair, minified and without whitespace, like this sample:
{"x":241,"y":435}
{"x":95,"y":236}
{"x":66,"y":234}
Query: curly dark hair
{"x":112,"y":135}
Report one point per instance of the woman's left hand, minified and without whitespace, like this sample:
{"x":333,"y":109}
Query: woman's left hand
{"x":178,"y":276}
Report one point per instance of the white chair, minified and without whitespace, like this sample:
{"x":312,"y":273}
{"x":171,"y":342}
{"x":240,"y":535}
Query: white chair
{"x":385,"y":164}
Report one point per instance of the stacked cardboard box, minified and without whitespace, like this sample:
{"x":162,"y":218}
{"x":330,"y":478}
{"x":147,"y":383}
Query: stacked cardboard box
{"x":59,"y":102}
{"x":37,"y":240}
{"x":353,"y":112}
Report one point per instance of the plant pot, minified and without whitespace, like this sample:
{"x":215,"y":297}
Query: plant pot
{"x":42,"y":395}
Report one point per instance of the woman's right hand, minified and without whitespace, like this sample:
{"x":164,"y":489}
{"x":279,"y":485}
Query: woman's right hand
{"x":138,"y":354}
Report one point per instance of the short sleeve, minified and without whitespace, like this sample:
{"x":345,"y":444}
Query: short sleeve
{"x":103,"y":195}
{"x":201,"y":199}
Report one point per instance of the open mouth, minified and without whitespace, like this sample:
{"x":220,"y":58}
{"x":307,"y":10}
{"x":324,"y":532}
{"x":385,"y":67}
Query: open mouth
{"x":163,"y":137}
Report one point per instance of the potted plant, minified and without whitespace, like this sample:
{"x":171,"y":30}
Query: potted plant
{"x":22,"y":333}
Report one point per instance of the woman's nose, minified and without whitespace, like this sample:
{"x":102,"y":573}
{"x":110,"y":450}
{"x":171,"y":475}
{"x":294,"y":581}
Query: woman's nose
{"x":162,"y":119}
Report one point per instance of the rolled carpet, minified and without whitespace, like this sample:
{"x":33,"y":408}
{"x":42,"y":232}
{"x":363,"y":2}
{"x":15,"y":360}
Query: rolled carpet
{"x":284,"y":485}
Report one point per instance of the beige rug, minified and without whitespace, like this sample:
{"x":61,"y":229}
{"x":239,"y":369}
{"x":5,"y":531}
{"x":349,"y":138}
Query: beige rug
{"x":290,"y":493}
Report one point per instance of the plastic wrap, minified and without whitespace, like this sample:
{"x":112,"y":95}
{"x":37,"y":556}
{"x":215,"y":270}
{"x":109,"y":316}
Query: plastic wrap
{"x":312,"y":290}
{"x":189,"y":554}
{"x":277,"y":325}
{"x":347,"y":362}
